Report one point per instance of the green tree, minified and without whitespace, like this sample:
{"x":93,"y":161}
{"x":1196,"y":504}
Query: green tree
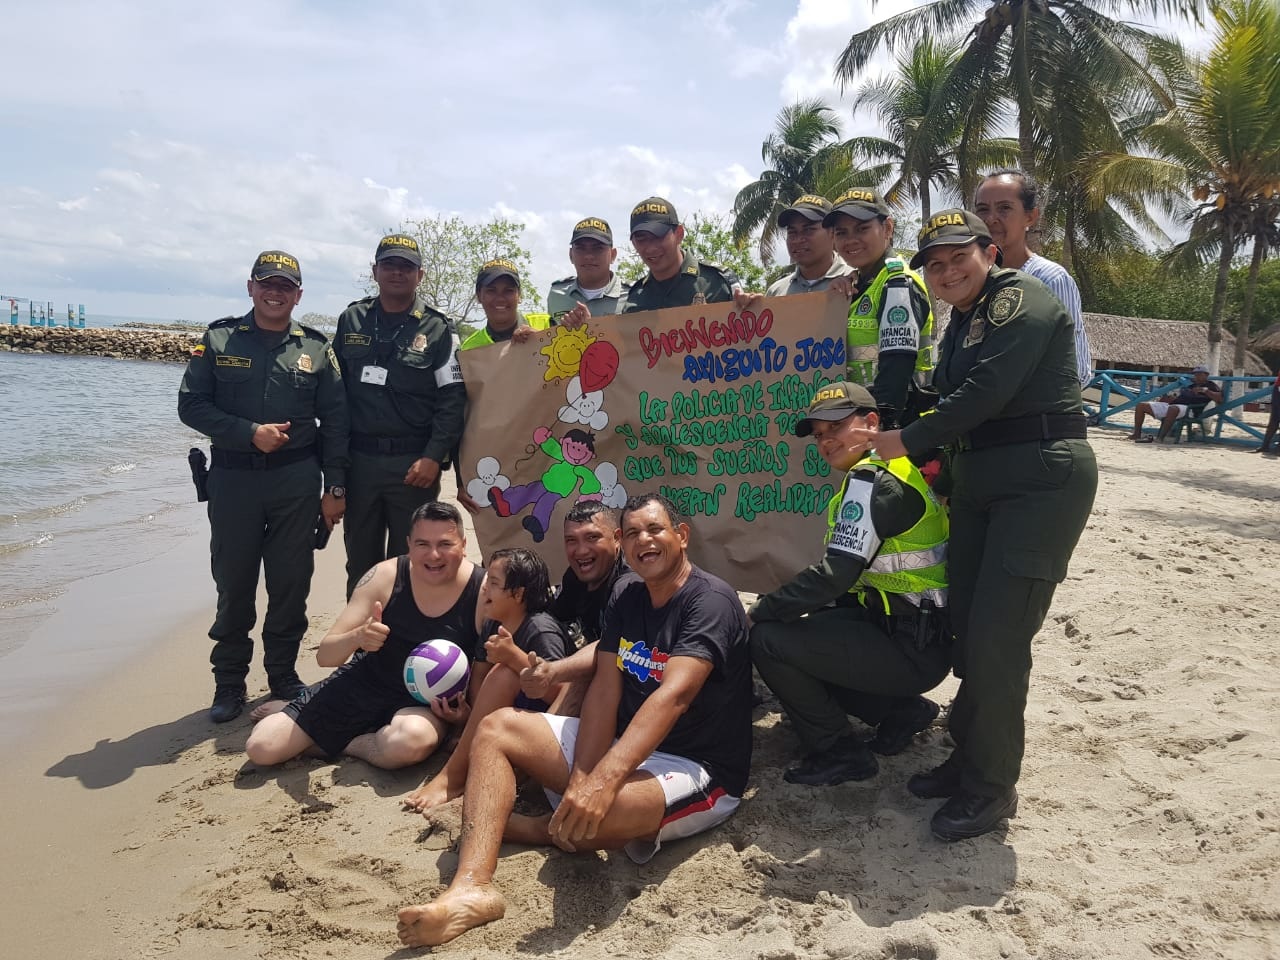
{"x":707,"y":237}
{"x":1220,"y":142}
{"x":918,"y":152}
{"x":802,"y":155}
{"x":320,"y":321}
{"x":453,"y":250}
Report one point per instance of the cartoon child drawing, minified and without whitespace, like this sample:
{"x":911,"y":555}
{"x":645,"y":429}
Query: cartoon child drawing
{"x":571,"y":453}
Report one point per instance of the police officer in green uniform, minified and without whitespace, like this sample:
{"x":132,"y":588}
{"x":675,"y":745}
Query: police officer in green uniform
{"x":885,"y":640}
{"x":811,"y":247}
{"x":1023,"y":481}
{"x":890,"y":336}
{"x":675,"y":279}
{"x":256,"y":386}
{"x":594,"y":290}
{"x":498,"y":290}
{"x":405,"y":394}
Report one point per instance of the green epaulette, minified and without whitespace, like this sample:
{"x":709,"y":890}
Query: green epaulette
{"x":225,"y":322}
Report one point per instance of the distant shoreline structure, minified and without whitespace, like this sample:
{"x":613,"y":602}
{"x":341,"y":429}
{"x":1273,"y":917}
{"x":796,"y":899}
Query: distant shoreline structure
{"x":151,"y":342}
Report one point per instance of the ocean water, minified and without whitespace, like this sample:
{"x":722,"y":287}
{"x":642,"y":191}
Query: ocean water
{"x":93,"y":477}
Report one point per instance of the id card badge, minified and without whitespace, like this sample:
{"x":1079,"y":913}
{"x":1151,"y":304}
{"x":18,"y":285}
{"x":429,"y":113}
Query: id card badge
{"x":371,"y":373}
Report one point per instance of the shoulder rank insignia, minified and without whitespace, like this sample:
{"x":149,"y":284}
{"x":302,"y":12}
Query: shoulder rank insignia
{"x":1004,"y":305}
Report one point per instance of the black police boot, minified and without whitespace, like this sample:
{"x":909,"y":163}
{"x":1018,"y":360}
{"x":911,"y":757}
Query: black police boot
{"x":898,"y":729}
{"x":228,"y":701}
{"x":849,"y":759}
{"x":287,"y":688}
{"x":941,"y":781}
{"x":968,"y":814}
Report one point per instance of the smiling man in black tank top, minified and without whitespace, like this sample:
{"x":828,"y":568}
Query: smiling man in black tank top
{"x":364,"y":709}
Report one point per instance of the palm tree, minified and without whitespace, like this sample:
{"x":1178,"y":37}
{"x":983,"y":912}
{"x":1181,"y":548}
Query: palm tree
{"x":801,"y":156}
{"x":1220,"y":143}
{"x":1015,"y":49}
{"x":921,"y":154}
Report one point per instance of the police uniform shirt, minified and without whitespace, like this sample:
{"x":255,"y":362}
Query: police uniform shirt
{"x":695,"y":282}
{"x":237,"y":380}
{"x":421,"y":393}
{"x":565,"y":294}
{"x":875,"y":507}
{"x":794,"y":283}
{"x":1011,"y":355}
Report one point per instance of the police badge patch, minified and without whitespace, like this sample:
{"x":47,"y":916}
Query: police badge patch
{"x":419,"y":343}
{"x":864,"y":307}
{"x":698,"y":298}
{"x":977,"y":329}
{"x":305,"y":364}
{"x":1004,"y":305}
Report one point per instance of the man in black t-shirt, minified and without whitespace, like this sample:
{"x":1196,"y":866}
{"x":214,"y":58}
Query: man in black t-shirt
{"x":672,"y":684}
{"x":1169,"y":409}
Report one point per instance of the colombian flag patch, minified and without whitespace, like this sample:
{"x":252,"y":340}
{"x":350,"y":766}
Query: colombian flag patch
{"x":198,"y":350}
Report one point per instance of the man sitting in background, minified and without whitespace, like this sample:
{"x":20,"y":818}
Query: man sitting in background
{"x":1172,"y":407}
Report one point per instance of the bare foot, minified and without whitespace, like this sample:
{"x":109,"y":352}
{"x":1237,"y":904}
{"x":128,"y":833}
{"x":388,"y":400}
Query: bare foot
{"x":267,"y":709}
{"x":433,"y":793}
{"x":450,"y":915}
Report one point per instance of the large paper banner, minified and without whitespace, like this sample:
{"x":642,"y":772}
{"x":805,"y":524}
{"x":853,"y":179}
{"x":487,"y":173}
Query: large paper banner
{"x":698,"y":403}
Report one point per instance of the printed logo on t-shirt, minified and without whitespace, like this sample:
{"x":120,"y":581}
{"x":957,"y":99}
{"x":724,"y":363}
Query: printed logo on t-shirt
{"x":638,"y":660}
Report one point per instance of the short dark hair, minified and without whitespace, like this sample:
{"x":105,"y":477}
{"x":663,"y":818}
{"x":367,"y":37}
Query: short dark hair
{"x":526,"y":569}
{"x":1028,"y":189}
{"x":642,"y":500}
{"x":584,"y":511}
{"x":437,"y":512}
{"x":582,"y":436}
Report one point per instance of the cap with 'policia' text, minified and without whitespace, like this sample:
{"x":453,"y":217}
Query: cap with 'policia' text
{"x":954,"y":227}
{"x":836,"y":401}
{"x":276,"y":263}
{"x":654,"y":215}
{"x":809,"y":206}
{"x":593,"y":228}
{"x":491,"y":270}
{"x":398,"y":245}
{"x":861,"y":203}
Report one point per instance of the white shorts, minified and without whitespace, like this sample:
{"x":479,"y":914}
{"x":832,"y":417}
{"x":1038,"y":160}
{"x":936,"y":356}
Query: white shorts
{"x":695,"y":800}
{"x":1160,"y":409}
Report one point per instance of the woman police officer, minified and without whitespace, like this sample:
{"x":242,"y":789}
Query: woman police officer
{"x":1023,"y":482}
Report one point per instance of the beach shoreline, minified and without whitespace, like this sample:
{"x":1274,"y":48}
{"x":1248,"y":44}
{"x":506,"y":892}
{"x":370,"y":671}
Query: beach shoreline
{"x":1148,"y":826}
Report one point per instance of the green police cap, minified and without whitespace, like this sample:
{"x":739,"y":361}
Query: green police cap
{"x":276,"y":263}
{"x":861,"y":203}
{"x":810,"y":207}
{"x":491,"y":270}
{"x":401,"y":246}
{"x":593,"y":228}
{"x":954,"y":227}
{"x":836,"y":401}
{"x":654,"y":215}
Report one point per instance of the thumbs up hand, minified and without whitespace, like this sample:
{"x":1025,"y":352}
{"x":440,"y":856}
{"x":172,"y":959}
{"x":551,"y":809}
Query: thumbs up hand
{"x":373,"y":632}
{"x":535,"y":679}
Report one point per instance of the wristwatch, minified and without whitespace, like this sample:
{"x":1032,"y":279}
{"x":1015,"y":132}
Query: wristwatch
{"x":337,"y":492}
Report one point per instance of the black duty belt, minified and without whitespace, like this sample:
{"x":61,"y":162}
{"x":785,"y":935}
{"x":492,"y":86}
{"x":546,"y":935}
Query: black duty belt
{"x":1043,"y":426}
{"x":386,"y":446}
{"x":231,"y":460}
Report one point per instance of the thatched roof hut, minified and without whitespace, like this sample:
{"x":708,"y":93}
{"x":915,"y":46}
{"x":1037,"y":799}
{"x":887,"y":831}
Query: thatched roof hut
{"x":1176,"y":346}
{"x":1268,"y":341}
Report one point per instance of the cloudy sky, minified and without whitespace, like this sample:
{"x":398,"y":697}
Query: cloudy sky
{"x":152,"y":148}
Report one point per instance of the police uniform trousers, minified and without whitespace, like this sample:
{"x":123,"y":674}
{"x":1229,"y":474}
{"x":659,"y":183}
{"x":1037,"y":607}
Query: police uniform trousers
{"x":261,"y":519}
{"x":842,"y":661}
{"x":379,"y":504}
{"x":1016,"y":514}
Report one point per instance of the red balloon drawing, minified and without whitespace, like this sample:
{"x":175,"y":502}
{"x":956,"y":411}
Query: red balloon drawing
{"x":598,"y":367}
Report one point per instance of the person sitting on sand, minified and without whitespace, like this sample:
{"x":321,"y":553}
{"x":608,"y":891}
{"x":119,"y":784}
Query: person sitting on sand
{"x":1172,"y":407}
{"x":364,"y":709}
{"x":672,"y":684}
{"x":513,"y":600}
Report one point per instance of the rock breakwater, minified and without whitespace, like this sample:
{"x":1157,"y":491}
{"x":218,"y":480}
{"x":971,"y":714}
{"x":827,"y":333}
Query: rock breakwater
{"x":101,"y":342}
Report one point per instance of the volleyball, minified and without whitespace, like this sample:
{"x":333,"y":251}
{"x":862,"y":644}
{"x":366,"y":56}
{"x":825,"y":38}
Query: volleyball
{"x":437,"y":669}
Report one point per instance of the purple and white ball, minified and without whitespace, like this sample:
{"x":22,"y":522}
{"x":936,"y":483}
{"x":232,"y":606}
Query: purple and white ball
{"x":437,"y":669}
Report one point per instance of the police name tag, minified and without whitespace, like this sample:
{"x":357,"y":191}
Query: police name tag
{"x":376,"y":375}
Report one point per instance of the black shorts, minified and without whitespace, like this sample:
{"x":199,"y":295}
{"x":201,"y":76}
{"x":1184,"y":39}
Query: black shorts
{"x":345,"y":706}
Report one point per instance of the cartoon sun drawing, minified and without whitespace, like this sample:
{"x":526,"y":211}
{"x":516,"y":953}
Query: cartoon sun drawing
{"x":564,"y":353}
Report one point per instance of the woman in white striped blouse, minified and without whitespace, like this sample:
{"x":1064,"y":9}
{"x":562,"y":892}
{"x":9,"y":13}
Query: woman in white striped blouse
{"x":1007,"y":203}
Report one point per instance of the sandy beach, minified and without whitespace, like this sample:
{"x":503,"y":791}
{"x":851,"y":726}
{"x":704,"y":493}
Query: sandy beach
{"x":1149,"y":824}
